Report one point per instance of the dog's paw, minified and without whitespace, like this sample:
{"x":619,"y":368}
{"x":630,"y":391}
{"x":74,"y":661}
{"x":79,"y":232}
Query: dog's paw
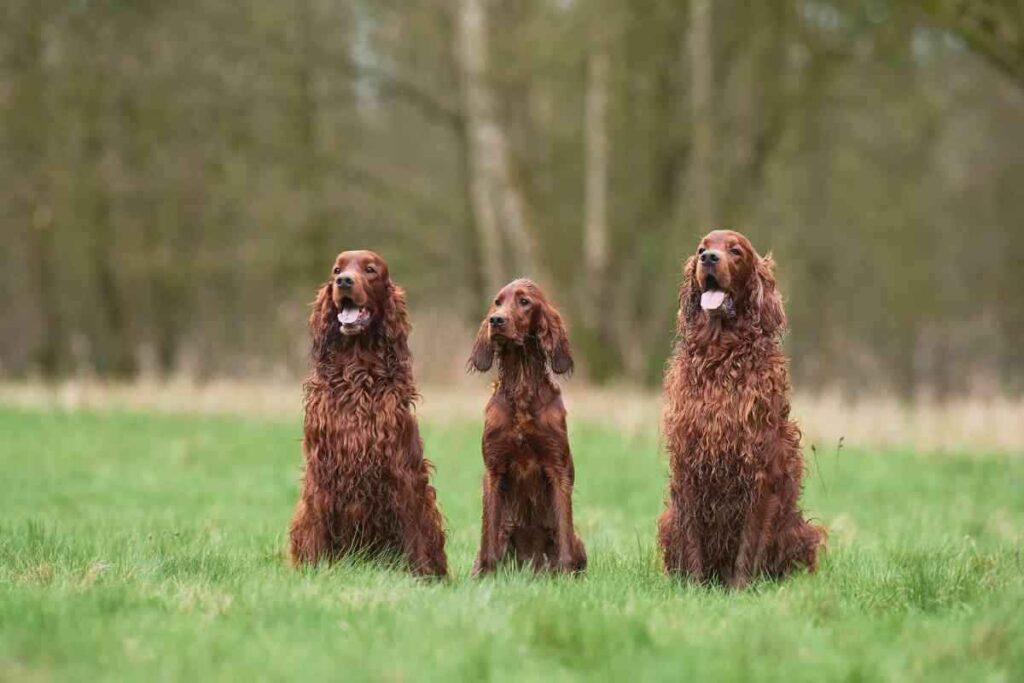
{"x":570,"y":565}
{"x":480,"y":568}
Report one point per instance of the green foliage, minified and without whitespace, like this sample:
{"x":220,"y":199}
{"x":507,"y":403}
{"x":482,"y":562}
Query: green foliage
{"x":135,"y":546}
{"x":176,"y":177}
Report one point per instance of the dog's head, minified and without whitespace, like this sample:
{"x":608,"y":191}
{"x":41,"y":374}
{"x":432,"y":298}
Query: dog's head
{"x":358,"y":299}
{"x":727,"y":280}
{"x":521,"y":313}
{"x":358,"y":284}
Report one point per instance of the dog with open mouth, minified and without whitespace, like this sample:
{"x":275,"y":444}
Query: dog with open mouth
{"x":736,"y":467}
{"x":366,"y":483}
{"x":528,"y":467}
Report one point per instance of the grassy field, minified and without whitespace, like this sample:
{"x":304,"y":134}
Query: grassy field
{"x":137,"y":546}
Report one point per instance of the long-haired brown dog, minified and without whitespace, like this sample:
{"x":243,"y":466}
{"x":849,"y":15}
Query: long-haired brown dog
{"x":736,"y":468}
{"x":529,"y":475}
{"x":366,"y":486}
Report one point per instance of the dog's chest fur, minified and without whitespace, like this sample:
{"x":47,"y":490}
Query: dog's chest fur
{"x":723,"y":409}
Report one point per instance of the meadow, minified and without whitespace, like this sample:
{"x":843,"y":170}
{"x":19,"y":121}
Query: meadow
{"x":146,"y":546}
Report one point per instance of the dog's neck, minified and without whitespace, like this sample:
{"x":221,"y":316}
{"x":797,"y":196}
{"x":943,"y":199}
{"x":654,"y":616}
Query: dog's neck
{"x":522,"y":371}
{"x":371,"y":352}
{"x":711,"y":342}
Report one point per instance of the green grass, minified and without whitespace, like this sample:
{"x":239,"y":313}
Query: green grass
{"x":150,"y":547}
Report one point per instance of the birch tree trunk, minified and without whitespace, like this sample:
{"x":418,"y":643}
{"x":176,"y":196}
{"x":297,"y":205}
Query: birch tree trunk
{"x":499,"y":205}
{"x":481,"y":134}
{"x":595,"y":210}
{"x":702,"y":73}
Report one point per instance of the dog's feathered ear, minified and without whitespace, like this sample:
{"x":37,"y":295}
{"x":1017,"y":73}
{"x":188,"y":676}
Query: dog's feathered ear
{"x":554,"y":340}
{"x":482,"y":357}
{"x":689,"y":294}
{"x":322,"y":320}
{"x":395,"y":321}
{"x":765,"y":300}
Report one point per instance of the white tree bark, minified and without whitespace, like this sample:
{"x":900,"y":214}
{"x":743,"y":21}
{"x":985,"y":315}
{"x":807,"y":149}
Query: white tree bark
{"x":702,"y":74}
{"x":483,"y":136}
{"x":595,"y":210}
{"x":499,"y":205}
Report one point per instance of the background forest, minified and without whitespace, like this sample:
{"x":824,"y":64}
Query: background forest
{"x":176,"y":177}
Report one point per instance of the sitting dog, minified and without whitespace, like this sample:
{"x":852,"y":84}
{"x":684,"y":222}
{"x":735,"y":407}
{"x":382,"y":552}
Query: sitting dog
{"x":529,"y":475}
{"x":366,"y":485}
{"x":736,"y":468}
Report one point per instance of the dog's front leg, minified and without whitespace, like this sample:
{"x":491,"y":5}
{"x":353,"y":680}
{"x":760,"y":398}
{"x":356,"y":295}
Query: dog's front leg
{"x":678,"y":535}
{"x":491,"y":528}
{"x":756,"y":531}
{"x":561,"y":496}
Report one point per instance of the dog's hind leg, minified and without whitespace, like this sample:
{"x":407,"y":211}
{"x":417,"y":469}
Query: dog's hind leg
{"x":798,"y":545}
{"x":579,"y":555}
{"x":309,"y":534}
{"x":414,"y":502}
{"x":493,"y":537}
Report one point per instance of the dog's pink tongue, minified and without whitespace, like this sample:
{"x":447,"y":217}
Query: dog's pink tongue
{"x":348,"y":315}
{"x":712,"y":299}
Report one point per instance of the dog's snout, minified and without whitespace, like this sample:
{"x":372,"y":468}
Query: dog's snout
{"x":497,"y":320}
{"x":709,"y":258}
{"x":345,"y":281}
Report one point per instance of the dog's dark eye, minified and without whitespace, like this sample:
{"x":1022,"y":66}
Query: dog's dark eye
{"x":497,"y":302}
{"x":337,"y":270}
{"x":371,"y":269}
{"x":524,"y":302}
{"x":736,"y":251}
{"x":701,"y":250}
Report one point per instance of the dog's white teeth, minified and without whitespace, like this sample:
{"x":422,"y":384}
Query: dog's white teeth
{"x":712,"y":299}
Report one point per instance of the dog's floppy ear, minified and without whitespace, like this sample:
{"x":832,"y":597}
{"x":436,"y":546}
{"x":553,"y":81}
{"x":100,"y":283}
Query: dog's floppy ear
{"x":689,"y":293}
{"x":554,"y":340}
{"x":395,"y":323}
{"x":765,"y":299}
{"x":482,"y":357}
{"x":396,"y":314}
{"x":323,"y":320}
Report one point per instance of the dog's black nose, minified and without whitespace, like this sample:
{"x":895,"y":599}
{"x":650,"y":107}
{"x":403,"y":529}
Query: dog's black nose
{"x":709,"y":258}
{"x":345,"y":281}
{"x":497,"y":320}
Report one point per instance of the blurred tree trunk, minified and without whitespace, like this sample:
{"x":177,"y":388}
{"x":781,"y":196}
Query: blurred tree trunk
{"x":310,"y":161}
{"x":595,"y":201}
{"x":702,"y":70}
{"x":758,"y":73}
{"x":483,"y":136}
{"x":597,"y":342}
{"x":30,"y":111}
{"x":112,"y":348}
{"x":499,"y":203}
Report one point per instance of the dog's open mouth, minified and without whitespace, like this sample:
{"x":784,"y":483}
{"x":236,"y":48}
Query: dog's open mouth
{"x":354,"y":319}
{"x":713,"y":298}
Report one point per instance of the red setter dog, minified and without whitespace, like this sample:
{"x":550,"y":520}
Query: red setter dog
{"x":365,"y":486}
{"x":736,"y":467}
{"x":529,"y":475}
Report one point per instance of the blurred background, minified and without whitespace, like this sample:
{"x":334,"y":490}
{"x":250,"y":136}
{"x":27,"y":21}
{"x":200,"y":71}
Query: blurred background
{"x":176,"y":178}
